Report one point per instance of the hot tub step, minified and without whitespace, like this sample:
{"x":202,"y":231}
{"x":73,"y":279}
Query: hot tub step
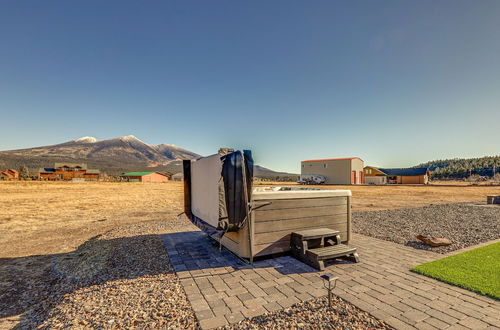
{"x":303,"y":240}
{"x":316,"y":257}
{"x":314,"y":246}
{"x":315,"y":233}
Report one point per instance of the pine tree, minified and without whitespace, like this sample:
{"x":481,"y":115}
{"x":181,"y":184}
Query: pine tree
{"x":462,"y":168}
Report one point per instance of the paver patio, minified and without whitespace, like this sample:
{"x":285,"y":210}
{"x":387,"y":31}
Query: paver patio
{"x":223,"y":289}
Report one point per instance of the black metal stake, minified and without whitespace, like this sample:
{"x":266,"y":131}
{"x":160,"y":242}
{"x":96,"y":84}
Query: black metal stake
{"x":329,"y":278}
{"x":329,"y":296}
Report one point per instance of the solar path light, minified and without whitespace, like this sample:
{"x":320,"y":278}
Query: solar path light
{"x":329,"y":282}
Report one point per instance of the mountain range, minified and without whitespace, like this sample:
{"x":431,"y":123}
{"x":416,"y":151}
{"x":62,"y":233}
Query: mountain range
{"x":112,"y":156}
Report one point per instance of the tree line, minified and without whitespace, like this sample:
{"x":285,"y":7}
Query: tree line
{"x":460,"y":168}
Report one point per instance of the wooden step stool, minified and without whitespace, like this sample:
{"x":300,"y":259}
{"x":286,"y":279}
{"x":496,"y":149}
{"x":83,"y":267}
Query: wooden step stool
{"x":314,"y":246}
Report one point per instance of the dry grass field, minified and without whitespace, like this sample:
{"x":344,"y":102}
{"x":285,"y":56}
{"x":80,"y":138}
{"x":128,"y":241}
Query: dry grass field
{"x":43,"y":219}
{"x":55,"y":217}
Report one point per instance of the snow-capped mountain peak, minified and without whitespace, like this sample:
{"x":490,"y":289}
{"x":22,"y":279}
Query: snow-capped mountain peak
{"x":129,"y":138}
{"x":132,"y":138}
{"x":86,"y":139}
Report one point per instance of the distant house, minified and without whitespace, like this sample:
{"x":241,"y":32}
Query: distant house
{"x":144,"y":177}
{"x":68,"y":172}
{"x":178,"y":176}
{"x":335,"y":170}
{"x":9,"y":175}
{"x":375,"y":175}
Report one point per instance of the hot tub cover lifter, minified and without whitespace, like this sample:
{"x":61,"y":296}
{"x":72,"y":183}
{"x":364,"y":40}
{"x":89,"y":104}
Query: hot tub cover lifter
{"x":218,"y":191}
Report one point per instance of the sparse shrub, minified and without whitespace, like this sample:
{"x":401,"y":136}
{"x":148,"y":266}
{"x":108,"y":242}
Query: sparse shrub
{"x":473,"y":178}
{"x":24,"y":173}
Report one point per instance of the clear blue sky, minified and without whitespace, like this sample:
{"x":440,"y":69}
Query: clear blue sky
{"x":393,"y":82}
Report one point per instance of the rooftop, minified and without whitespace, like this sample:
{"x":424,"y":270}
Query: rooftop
{"x":328,"y":159}
{"x":404,"y":171}
{"x":139,"y":173}
{"x":71,"y":165}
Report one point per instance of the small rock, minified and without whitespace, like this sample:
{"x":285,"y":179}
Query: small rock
{"x":434,"y":241}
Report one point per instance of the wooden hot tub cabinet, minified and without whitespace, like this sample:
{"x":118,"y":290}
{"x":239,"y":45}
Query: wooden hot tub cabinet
{"x":277,"y":213}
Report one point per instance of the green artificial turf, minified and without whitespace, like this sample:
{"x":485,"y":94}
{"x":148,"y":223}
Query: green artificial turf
{"x":477,"y":270}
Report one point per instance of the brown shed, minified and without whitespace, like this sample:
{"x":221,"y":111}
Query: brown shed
{"x":415,"y":175}
{"x":9,"y":174}
{"x":144,"y":177}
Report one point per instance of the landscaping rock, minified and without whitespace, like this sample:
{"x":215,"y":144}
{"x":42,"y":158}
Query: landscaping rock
{"x":120,"y":279}
{"x":434,"y":241}
{"x":463,"y":224}
{"x":314,"y":314}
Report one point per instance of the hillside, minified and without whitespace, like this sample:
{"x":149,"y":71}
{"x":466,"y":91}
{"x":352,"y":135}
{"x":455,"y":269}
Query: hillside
{"x":111,"y":156}
{"x":265,"y":173}
{"x":459,"y":168}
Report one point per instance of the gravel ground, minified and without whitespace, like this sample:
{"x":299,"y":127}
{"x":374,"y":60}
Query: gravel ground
{"x":123,"y":279}
{"x":315,"y":314}
{"x":120,"y":279}
{"x":464,"y":224}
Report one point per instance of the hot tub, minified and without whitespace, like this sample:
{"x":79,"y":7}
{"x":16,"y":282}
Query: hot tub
{"x":256,"y":222}
{"x":278,"y":211}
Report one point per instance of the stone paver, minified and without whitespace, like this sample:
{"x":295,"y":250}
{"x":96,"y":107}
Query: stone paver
{"x":224,"y":289}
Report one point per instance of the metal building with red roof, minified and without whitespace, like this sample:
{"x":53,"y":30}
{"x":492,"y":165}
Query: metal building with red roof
{"x":346,"y":170}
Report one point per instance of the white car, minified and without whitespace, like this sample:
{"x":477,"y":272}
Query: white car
{"x":311,"y":179}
